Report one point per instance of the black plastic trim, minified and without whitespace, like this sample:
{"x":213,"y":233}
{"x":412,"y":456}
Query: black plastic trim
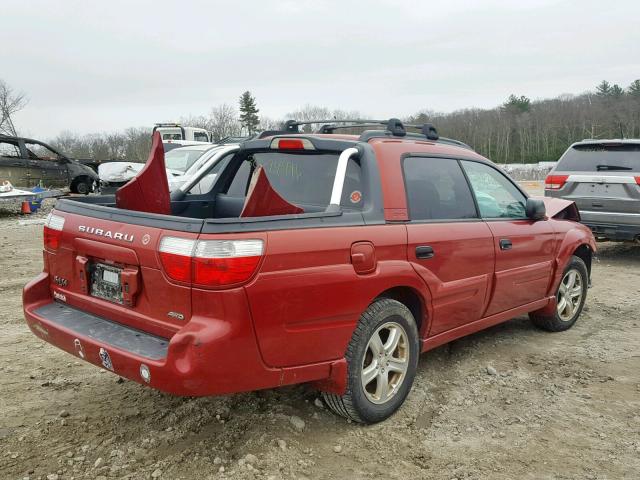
{"x":85,"y":206}
{"x":105,"y":331}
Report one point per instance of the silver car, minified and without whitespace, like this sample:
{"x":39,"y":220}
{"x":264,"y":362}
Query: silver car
{"x":603,"y":178}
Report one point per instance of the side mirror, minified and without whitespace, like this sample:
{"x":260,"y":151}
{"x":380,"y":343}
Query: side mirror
{"x":535,"y":209}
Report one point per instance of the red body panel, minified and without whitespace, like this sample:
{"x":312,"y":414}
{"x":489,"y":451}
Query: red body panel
{"x":522,"y":273}
{"x":262,"y":200}
{"x":149,"y":190}
{"x":459,"y":275}
{"x":291,"y":322}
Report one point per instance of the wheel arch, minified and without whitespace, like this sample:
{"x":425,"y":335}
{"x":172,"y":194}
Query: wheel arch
{"x":413,"y":300}
{"x":585,"y":253}
{"x":577,"y":241}
{"x":79,"y":178}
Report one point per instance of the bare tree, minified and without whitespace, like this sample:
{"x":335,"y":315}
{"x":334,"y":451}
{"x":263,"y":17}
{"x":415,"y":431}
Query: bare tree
{"x":10,"y":103}
{"x":224,"y":121}
{"x":309,"y":113}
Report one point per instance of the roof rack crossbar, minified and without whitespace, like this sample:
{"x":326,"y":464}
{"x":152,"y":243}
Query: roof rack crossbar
{"x":394,"y":128}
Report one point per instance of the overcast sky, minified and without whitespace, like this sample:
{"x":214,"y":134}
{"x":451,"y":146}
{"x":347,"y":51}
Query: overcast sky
{"x":91,"y":66}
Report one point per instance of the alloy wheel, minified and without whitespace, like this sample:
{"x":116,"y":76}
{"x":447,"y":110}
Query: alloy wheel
{"x":569,"y":295}
{"x":385,"y":362}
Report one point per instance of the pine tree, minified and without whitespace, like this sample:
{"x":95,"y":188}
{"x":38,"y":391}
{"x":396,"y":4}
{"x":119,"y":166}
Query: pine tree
{"x":634,"y":89}
{"x":517,"y":105}
{"x":617,"y":91}
{"x":249,"y":112}
{"x":604,"y":89}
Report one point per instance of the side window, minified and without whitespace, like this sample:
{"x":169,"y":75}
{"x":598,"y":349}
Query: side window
{"x":497,"y":197}
{"x":437,"y":190}
{"x":238,"y":187}
{"x":200,"y":137}
{"x":206,"y":183}
{"x":8,"y":149}
{"x":37,"y":151}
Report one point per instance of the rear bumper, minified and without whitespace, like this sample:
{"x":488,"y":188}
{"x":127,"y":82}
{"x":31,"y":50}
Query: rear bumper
{"x":207,"y":356}
{"x":613,"y":231}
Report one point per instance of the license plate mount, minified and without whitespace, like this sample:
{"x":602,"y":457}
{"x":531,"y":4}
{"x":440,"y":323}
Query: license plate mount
{"x":106,"y":282}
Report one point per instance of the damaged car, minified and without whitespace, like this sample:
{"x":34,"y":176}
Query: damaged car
{"x":28,"y":163}
{"x":180,"y":164}
{"x":325,"y":258}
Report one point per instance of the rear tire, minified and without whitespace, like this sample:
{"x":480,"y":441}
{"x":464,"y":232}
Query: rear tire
{"x":382,"y":358}
{"x":571,"y":295}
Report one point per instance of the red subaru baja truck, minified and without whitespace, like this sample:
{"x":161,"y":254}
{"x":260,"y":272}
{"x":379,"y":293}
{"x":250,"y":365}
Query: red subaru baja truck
{"x":323,"y":257}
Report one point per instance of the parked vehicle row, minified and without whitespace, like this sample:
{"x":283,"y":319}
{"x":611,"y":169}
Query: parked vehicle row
{"x":332,"y":259}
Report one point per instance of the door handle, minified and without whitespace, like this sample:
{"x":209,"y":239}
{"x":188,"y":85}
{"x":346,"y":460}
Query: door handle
{"x":17,"y":164}
{"x":505,"y":244}
{"x":424,"y":251}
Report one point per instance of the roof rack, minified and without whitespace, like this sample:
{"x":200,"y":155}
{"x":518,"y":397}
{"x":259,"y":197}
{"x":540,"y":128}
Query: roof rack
{"x":393,"y":128}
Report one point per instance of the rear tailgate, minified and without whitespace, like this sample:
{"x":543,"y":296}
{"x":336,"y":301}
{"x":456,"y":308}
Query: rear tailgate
{"x":602,"y":178}
{"x":613,"y":192}
{"x":112,"y":269}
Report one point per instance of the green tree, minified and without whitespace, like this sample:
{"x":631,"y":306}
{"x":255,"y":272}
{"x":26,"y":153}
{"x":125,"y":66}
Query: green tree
{"x":517,"y":105}
{"x":617,"y":91}
{"x":634,"y":89}
{"x":604,"y":89}
{"x":249,"y":112}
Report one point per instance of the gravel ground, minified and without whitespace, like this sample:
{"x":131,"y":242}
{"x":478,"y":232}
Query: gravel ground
{"x":509,"y":402}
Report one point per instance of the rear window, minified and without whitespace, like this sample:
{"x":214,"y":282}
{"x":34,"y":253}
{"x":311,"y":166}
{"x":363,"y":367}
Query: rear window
{"x":303,"y":179}
{"x":200,"y":136}
{"x":601,"y":158}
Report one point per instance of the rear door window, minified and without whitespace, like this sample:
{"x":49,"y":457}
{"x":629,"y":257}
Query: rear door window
{"x":437,"y":190}
{"x":601,"y":158}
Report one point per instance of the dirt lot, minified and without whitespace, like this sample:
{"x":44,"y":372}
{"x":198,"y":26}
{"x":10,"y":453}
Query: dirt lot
{"x":558,"y":406}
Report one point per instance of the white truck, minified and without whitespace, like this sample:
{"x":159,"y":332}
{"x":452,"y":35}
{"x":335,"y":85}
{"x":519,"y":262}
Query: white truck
{"x":174,"y":132}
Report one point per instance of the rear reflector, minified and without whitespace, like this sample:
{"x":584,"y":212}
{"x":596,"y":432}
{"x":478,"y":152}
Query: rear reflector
{"x":555,"y":182}
{"x":210,"y":263}
{"x":53,"y":231}
{"x":292,"y":144}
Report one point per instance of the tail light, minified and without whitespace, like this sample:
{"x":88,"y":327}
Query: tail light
{"x":175,"y":255}
{"x":637,"y":180}
{"x":53,"y":231}
{"x":555,"y":182}
{"x":210,"y":263}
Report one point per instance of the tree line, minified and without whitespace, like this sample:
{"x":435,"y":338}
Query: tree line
{"x":526,"y":131}
{"x":520,"y":130}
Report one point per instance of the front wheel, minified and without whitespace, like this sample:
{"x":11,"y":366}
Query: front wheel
{"x":83,"y":186}
{"x":570,"y":298}
{"x":382,"y":359}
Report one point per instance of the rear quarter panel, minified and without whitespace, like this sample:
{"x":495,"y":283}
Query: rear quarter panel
{"x":307,"y":298}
